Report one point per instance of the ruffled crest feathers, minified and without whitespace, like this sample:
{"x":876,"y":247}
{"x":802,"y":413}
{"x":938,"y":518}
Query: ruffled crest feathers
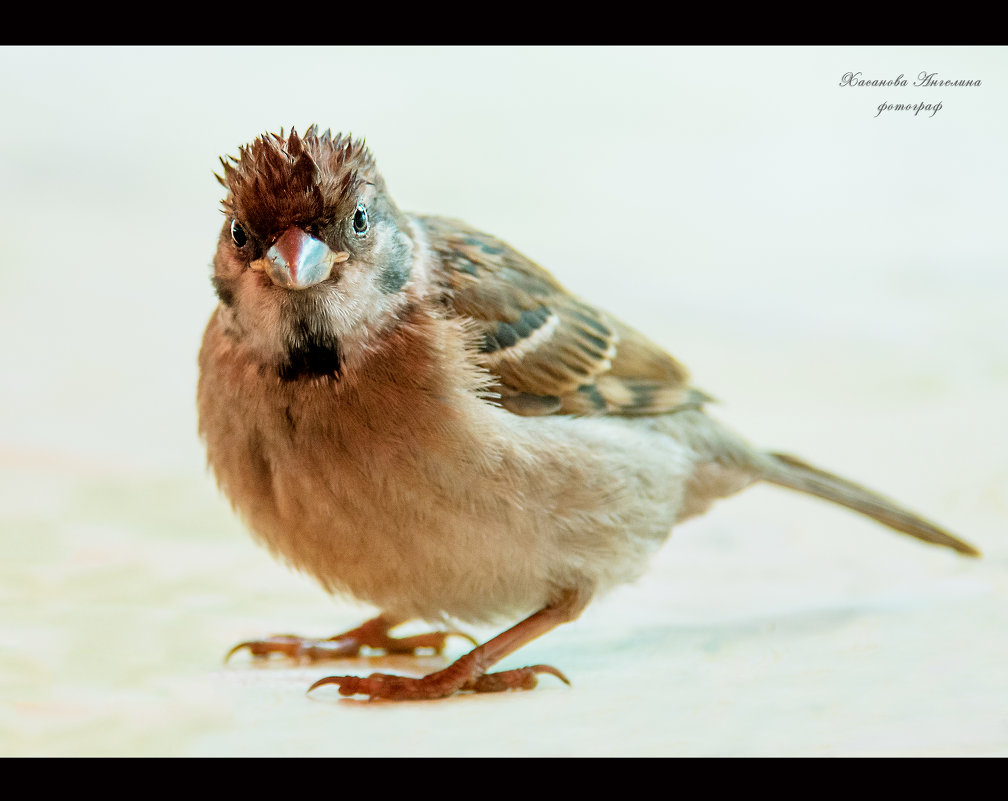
{"x":278,"y":181}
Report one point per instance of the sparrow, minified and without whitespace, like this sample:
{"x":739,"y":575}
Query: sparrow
{"x":418,"y":416}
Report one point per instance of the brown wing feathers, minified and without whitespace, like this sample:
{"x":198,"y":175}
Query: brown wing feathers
{"x":550,"y":351}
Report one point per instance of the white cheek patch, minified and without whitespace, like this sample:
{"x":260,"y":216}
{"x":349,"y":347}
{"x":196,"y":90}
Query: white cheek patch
{"x":355,"y":310}
{"x":261,"y":318}
{"x":362,"y":300}
{"x":353,"y":300}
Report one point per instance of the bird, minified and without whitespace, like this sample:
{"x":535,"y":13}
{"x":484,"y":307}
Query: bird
{"x":420,"y":417}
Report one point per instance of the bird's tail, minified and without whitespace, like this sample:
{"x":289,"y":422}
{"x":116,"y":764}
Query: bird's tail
{"x":788,"y":471}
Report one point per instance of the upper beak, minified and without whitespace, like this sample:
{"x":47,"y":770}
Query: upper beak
{"x":297,"y":260}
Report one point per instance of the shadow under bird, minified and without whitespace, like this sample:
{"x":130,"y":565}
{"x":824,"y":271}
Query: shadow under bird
{"x":419,"y":416}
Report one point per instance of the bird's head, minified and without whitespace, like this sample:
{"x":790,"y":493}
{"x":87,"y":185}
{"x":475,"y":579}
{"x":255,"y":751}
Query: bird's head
{"x":313,"y":256}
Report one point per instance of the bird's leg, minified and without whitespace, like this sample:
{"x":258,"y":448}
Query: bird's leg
{"x":469,"y":672}
{"x":372,"y":634}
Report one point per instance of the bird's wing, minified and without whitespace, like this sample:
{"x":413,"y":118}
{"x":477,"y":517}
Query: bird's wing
{"x":551,"y":352}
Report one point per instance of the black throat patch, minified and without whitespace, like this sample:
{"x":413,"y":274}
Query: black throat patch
{"x":311,"y":356}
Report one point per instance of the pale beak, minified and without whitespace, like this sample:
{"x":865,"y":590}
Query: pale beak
{"x":297,"y":260}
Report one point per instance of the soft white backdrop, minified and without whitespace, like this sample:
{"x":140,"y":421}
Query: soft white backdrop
{"x":837,"y":280}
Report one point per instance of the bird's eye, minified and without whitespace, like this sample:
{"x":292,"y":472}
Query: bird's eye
{"x":360,"y":220}
{"x":238,"y":234}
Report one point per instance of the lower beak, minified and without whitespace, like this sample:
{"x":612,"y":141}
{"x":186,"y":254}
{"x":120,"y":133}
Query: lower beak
{"x":297,"y":260}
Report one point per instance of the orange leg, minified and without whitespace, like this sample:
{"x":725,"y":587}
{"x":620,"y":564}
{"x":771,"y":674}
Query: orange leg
{"x":372,"y":634}
{"x":469,"y":672}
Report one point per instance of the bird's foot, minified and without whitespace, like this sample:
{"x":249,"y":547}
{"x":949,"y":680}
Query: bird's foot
{"x":372,"y":634}
{"x":469,"y":673}
{"x":463,"y":675}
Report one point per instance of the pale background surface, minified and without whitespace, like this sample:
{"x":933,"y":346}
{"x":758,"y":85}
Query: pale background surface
{"x":837,"y":280}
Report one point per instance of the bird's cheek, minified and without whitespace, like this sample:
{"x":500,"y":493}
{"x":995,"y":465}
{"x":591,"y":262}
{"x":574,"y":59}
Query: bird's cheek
{"x":225,"y":289}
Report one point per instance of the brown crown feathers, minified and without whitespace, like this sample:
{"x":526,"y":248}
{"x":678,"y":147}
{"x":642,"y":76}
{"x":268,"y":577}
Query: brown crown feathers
{"x":279,"y":181}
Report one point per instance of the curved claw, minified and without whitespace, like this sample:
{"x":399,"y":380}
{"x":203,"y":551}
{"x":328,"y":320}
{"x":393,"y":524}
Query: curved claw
{"x":237,"y":648}
{"x":394,"y":688}
{"x":279,"y":643}
{"x":386,"y":685}
{"x":552,"y":671}
{"x":337,"y":680}
{"x":525,"y":678}
{"x":295,"y":647}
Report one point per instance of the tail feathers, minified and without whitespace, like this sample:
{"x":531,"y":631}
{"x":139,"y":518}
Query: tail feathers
{"x":788,"y":471}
